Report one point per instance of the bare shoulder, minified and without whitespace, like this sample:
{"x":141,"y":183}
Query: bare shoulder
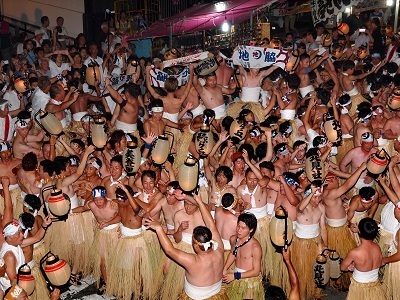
{"x":113,"y":205}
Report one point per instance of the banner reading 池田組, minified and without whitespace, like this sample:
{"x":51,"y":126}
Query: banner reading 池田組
{"x":185,"y":60}
{"x":259,"y":57}
{"x":158,"y":77}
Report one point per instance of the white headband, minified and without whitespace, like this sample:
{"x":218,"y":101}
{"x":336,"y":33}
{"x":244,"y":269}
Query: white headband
{"x":11,"y":229}
{"x":157,"y":109}
{"x":377,"y":111}
{"x":19,"y":124}
{"x":230,"y":208}
{"x":344,"y":104}
{"x":25,"y":229}
{"x":367,"y":137}
{"x":94,"y":164}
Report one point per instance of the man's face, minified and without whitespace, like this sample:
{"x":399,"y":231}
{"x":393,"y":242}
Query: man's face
{"x":157,"y":116}
{"x":93,"y":50}
{"x":211,"y":81}
{"x":320,"y":30}
{"x":221,"y":179}
{"x":171,"y":199}
{"x":148,"y":184}
{"x":99,"y":201}
{"x":5,"y":155}
{"x":190,"y":208}
{"x":305,"y":62}
{"x":115,"y":169}
{"x":23,"y":132}
{"x":285,"y":157}
{"x":17,"y":238}
{"x":267,"y":172}
{"x":332,"y":182}
{"x":60,"y":22}
{"x":44,"y":64}
{"x":367,"y":146}
{"x":376,"y":60}
{"x":90,"y":170}
{"x":289,"y":38}
{"x":239,"y":165}
{"x":251,"y":180}
{"x":242,"y":230}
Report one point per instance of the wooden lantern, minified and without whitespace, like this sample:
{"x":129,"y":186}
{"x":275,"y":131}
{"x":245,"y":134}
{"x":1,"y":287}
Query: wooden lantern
{"x":49,"y":123}
{"x":98,"y":133}
{"x":237,"y":131}
{"x":315,"y":168}
{"x":333,"y":130}
{"x":56,"y":270}
{"x":131,"y":158}
{"x":25,"y":279}
{"x":321,"y":271}
{"x":204,"y":141}
{"x":334,"y":262}
{"x":378,"y":162}
{"x":281,"y":228}
{"x":58,"y":203}
{"x":188,"y":174}
{"x":343,"y":28}
{"x":161,"y":149}
{"x":394,"y":99}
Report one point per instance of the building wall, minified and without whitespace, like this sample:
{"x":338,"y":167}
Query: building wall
{"x":30,"y":11}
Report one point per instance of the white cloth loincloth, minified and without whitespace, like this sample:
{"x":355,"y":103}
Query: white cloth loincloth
{"x":347,"y":136}
{"x":359,"y":213}
{"x":170,"y":227}
{"x":125,"y":127}
{"x":288,"y":114}
{"x":365,"y":277}
{"x":11,"y":187}
{"x":336,"y":222}
{"x":388,"y":220}
{"x":187,"y":238}
{"x":227,"y":244}
{"x":64,"y":122}
{"x":250,"y":94}
{"x":259,"y":212}
{"x":360,"y":183}
{"x":171,"y":117}
{"x":239,"y":270}
{"x":74,"y":201}
{"x":220,"y":112}
{"x":78,"y":116}
{"x":353,"y":92}
{"x":125,"y":231}
{"x":382,"y":142}
{"x":109,"y":227}
{"x":198,"y":110}
{"x":305,"y":90}
{"x":270,"y":208}
{"x":307,"y":231}
{"x":202,"y":292}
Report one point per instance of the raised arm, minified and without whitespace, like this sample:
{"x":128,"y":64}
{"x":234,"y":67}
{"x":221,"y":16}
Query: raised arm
{"x":8,"y":207}
{"x":67,"y":181}
{"x":148,"y":84}
{"x":293,"y":278}
{"x":113,"y":93}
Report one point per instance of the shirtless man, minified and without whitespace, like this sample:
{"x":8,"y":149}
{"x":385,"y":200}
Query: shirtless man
{"x":288,"y":101}
{"x":365,"y":262}
{"x":392,"y":127}
{"x":356,"y":156}
{"x":129,"y":106}
{"x":282,"y":163}
{"x":304,"y":68}
{"x":310,"y":230}
{"x":150,"y":193}
{"x":172,"y":105}
{"x":117,"y":175}
{"x":20,"y":144}
{"x":156,"y":123}
{"x":239,"y":168}
{"x":363,"y":126}
{"x":192,"y":98}
{"x":60,"y":101}
{"x":219,"y":185}
{"x":212,"y":94}
{"x":224,"y":72}
{"x":226,"y":218}
{"x":252,"y":81}
{"x":28,"y":176}
{"x":91,"y":178}
{"x":247,"y":255}
{"x":203,"y":268}
{"x":107,"y":218}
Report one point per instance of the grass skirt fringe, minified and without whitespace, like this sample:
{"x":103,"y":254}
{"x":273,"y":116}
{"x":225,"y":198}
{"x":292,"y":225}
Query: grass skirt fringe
{"x":183,"y":149}
{"x":339,"y":239}
{"x":235,"y":108}
{"x":17,"y":201}
{"x":279,"y":275}
{"x":246,"y":288}
{"x":390,"y":282}
{"x":133,"y":269}
{"x":103,"y":246}
{"x":173,"y":283}
{"x":41,"y":291}
{"x":263,"y":237}
{"x":75,"y":128}
{"x":355,"y":101}
{"x":304,"y":253}
{"x":88,"y":227}
{"x":365,"y":291}
{"x":346,"y":146}
{"x":220,"y":296}
{"x":59,"y":241}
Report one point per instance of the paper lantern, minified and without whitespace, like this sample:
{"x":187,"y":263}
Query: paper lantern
{"x":321,"y":271}
{"x":315,"y":168}
{"x":188,"y":174}
{"x":161,"y":149}
{"x":333,"y":130}
{"x":206,"y":66}
{"x":334,"y":262}
{"x":281,"y":228}
{"x":58,"y":203}
{"x":49,"y":123}
{"x":25,"y":279}
{"x":378,"y":162}
{"x":237,"y":131}
{"x":92,"y":73}
{"x":326,"y":39}
{"x":56,"y":270}
{"x":361,"y":52}
{"x":394,"y":99}
{"x":131,"y":158}
{"x":204,"y":141}
{"x":21,"y":85}
{"x":98,"y":133}
{"x":343,"y":28}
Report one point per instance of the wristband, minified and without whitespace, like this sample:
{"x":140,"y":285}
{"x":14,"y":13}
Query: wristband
{"x":147,"y":146}
{"x":237,"y":275}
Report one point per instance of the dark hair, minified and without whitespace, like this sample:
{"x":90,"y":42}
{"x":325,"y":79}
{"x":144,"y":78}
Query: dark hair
{"x":274,"y":292}
{"x":293,"y":81}
{"x":227,"y":200}
{"x":268,"y":165}
{"x":44,"y":82}
{"x":304,"y":56}
{"x":226,"y":122}
{"x":116,"y":137}
{"x":344,"y":99}
{"x":324,"y":95}
{"x":60,"y":164}
{"x":44,"y":19}
{"x":202,"y":234}
{"x":48,"y":166}
{"x":367,"y":192}
{"x":133,"y":90}
{"x":243,"y":113}
{"x":291,"y":176}
{"x":149,"y":173}
{"x":348,"y":64}
{"x":33,"y":201}
{"x":250,"y":220}
{"x":249,"y":148}
{"x":368,"y":229}
{"x":297,"y":144}
{"x":226,"y":171}
{"x":171,"y":84}
{"x":157,"y":103}
{"x":117,"y":159}
{"x":79,"y":142}
{"x":29,"y":162}
{"x":27,"y":220}
{"x":376,"y":21}
{"x":261,"y":150}
{"x":55,"y":90}
{"x":209,"y":113}
{"x":174,"y":184}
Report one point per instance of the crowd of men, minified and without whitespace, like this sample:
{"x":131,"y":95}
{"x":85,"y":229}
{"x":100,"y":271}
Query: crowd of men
{"x":141,"y":233}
